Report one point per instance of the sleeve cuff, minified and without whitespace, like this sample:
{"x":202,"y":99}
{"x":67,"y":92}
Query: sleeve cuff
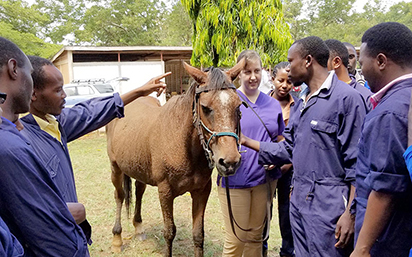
{"x":386,"y":182}
{"x":351,"y":176}
{"x":119,"y":105}
{"x":271,"y":153}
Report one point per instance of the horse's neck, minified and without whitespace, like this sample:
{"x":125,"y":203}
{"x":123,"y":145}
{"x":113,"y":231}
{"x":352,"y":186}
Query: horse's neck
{"x":181,"y":114}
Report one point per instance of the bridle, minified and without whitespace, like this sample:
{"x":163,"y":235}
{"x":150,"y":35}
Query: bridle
{"x":200,"y":126}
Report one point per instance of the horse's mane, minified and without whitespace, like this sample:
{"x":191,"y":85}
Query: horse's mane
{"x":217,"y":79}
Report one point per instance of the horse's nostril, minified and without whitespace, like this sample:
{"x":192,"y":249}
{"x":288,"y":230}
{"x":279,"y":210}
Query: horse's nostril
{"x":227,"y":165}
{"x":222,"y":162}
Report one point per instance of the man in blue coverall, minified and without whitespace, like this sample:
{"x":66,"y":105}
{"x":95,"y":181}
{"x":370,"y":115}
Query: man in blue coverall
{"x":321,"y":141}
{"x":338,"y":61}
{"x":30,"y":203}
{"x":9,"y":245}
{"x":50,"y":126}
{"x":383,"y":224}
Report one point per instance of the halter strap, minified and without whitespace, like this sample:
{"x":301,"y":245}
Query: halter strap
{"x":197,"y":122}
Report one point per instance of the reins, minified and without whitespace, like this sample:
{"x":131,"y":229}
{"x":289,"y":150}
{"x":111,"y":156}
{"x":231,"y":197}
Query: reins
{"x":267,"y":218}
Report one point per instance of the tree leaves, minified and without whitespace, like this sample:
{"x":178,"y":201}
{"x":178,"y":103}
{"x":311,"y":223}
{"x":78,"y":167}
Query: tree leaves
{"x":338,"y":19}
{"x":222,"y":29}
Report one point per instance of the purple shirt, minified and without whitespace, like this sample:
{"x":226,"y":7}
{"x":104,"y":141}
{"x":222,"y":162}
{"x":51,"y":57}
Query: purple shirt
{"x":250,"y":173}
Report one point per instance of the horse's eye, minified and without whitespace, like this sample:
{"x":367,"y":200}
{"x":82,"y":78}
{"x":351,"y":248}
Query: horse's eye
{"x":206,"y":110}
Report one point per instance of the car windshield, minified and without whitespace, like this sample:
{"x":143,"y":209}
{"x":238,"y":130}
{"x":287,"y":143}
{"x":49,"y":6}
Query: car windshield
{"x":104,"y":88}
{"x":78,"y":90}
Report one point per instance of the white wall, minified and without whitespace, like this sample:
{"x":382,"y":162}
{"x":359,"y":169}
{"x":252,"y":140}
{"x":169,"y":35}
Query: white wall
{"x":137,"y":72}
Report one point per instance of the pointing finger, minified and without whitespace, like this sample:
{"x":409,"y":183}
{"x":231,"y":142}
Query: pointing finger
{"x":163,"y":75}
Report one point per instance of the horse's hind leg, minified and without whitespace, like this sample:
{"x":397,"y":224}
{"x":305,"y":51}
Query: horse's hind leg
{"x":117,"y":180}
{"x":137,"y":220}
{"x":199,"y":201}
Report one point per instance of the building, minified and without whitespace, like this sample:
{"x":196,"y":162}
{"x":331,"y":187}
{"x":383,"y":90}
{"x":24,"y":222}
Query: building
{"x":138,"y":63}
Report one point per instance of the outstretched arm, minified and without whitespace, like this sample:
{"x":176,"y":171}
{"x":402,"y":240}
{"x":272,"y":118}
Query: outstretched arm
{"x":248,"y":142}
{"x":152,"y":85}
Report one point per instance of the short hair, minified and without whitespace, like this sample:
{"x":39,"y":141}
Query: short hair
{"x":9,"y":50}
{"x":337,"y":48}
{"x":349,"y":45}
{"x":315,"y":47}
{"x":38,"y":74}
{"x":392,"y":39}
{"x":279,"y":66}
{"x":249,"y":55}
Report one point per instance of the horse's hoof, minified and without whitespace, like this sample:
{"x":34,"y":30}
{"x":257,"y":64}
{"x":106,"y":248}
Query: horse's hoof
{"x":117,"y":244}
{"x":116,"y":249}
{"x":141,"y":237}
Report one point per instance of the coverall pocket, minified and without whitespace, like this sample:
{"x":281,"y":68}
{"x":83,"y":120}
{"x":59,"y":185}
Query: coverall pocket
{"x":52,"y":166}
{"x":323,"y":134}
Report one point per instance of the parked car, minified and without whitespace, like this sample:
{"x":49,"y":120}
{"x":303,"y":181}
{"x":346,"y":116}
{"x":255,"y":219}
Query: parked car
{"x":81,"y":90}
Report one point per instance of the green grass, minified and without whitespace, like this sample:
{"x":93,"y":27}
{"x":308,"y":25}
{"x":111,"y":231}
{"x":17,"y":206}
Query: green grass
{"x":96,"y":192}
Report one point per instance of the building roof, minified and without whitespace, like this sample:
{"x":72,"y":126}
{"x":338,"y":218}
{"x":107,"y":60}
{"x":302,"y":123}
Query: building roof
{"x":141,"y":50}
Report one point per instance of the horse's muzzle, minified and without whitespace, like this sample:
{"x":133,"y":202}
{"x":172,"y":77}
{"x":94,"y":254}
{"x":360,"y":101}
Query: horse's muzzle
{"x":227,"y":167}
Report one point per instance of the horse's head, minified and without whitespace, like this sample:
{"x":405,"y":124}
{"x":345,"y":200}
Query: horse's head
{"x":216,"y":116}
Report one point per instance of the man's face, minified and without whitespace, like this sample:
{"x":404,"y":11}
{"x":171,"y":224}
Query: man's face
{"x":21,"y":100}
{"x":370,"y":69}
{"x":352,"y":59}
{"x":297,"y":70}
{"x":50,"y":99}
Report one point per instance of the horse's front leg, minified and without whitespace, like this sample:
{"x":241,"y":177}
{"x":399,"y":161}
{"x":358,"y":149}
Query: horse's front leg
{"x":166,"y":198}
{"x":199,"y":201}
{"x":117,"y":180}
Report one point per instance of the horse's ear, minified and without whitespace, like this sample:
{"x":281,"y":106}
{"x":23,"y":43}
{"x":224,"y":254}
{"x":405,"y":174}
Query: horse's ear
{"x":235,"y":70}
{"x":198,"y":75}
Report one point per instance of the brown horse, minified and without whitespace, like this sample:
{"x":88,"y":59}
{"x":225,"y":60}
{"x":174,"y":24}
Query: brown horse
{"x":175,"y":147}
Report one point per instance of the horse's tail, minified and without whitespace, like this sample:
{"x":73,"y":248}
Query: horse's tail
{"x":127,"y":187}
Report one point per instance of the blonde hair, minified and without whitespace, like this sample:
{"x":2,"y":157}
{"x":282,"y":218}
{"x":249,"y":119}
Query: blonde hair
{"x":249,"y":55}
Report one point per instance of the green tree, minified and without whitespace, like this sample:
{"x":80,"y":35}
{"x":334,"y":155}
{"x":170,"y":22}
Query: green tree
{"x":122,"y":22}
{"x":64,"y":17}
{"x":339,"y":20}
{"x":224,"y":28}
{"x":21,"y":24}
{"x":177,"y":28}
{"x":401,"y":12}
{"x":292,"y":10}
{"x":322,"y":18}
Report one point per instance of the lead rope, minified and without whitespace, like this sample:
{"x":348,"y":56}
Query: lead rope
{"x":267,"y":218}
